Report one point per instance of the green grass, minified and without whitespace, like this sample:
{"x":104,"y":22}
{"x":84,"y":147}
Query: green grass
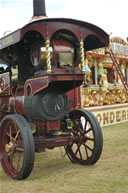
{"x":54,"y":173}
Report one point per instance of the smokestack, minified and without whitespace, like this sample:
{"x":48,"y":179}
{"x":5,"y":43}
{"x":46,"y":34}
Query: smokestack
{"x":39,"y":8}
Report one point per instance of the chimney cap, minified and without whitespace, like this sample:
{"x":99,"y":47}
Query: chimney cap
{"x":39,"y":8}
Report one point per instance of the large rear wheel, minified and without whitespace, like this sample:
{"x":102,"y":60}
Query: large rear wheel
{"x":86,"y":147}
{"x":16,"y":147}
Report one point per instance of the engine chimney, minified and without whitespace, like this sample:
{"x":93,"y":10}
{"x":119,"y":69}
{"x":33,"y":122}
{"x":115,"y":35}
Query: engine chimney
{"x":39,"y":8}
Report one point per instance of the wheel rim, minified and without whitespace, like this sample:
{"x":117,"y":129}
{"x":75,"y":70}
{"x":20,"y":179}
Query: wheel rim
{"x":86,"y":147}
{"x":15,"y":149}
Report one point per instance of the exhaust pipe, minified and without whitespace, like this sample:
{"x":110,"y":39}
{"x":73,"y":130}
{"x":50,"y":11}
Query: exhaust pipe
{"x":39,"y":8}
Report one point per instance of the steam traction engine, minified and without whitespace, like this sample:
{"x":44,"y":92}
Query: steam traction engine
{"x":44,"y":67}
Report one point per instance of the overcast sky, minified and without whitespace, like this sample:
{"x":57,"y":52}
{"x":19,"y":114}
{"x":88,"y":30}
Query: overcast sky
{"x":110,"y":15}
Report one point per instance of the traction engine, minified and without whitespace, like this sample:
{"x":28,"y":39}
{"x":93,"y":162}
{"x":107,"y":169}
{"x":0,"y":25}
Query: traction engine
{"x":41,"y":71}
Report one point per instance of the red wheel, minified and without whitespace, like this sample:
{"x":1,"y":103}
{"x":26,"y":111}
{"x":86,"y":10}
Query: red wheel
{"x":86,"y":147}
{"x":16,"y":147}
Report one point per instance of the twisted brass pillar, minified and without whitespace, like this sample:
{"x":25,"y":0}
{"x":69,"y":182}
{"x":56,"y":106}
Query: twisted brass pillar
{"x":82,"y":56}
{"x":48,"y":56}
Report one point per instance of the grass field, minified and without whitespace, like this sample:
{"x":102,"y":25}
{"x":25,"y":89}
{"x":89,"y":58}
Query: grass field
{"x":54,"y":173}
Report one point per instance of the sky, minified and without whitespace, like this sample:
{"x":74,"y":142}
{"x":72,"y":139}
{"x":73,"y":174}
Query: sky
{"x":110,"y":15}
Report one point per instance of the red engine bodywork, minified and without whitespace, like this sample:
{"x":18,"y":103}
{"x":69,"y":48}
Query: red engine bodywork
{"x":64,"y":36}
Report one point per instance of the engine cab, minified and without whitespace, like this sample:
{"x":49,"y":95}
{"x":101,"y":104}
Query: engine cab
{"x":48,"y":46}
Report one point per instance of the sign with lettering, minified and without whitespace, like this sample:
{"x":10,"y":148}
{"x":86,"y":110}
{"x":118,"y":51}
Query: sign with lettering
{"x":110,"y":114}
{"x":9,"y":39}
{"x":6,"y":41}
{"x":119,"y":46}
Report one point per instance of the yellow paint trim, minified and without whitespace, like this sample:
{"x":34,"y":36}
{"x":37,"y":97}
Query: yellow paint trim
{"x":33,"y":93}
{"x":36,"y":78}
{"x":39,"y":89}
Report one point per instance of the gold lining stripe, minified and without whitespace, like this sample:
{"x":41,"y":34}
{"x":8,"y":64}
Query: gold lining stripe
{"x":29,"y":84}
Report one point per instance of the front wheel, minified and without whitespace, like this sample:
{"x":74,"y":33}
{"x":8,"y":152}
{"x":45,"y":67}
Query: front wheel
{"x":87,"y":144}
{"x":17,"y":148}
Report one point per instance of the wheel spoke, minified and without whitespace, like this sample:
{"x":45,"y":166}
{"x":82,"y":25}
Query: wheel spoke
{"x":10,"y":153}
{"x":90,"y":139}
{"x":79,"y":124}
{"x":10,"y":130}
{"x":11,"y":137}
{"x":78,"y":150}
{"x":76,"y":126}
{"x":11,"y":159}
{"x":87,"y":131}
{"x":17,"y":135}
{"x":78,"y":147}
{"x":9,"y":134}
{"x":85,"y":124}
{"x":19,"y":149}
{"x":86,"y":146}
{"x":80,"y":154}
{"x":86,"y":152}
{"x":18,"y":161}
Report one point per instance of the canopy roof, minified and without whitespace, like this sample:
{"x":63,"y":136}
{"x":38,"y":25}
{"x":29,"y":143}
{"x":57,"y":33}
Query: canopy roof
{"x":94,"y":36}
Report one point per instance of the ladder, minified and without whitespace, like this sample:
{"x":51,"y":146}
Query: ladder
{"x":118,"y":69}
